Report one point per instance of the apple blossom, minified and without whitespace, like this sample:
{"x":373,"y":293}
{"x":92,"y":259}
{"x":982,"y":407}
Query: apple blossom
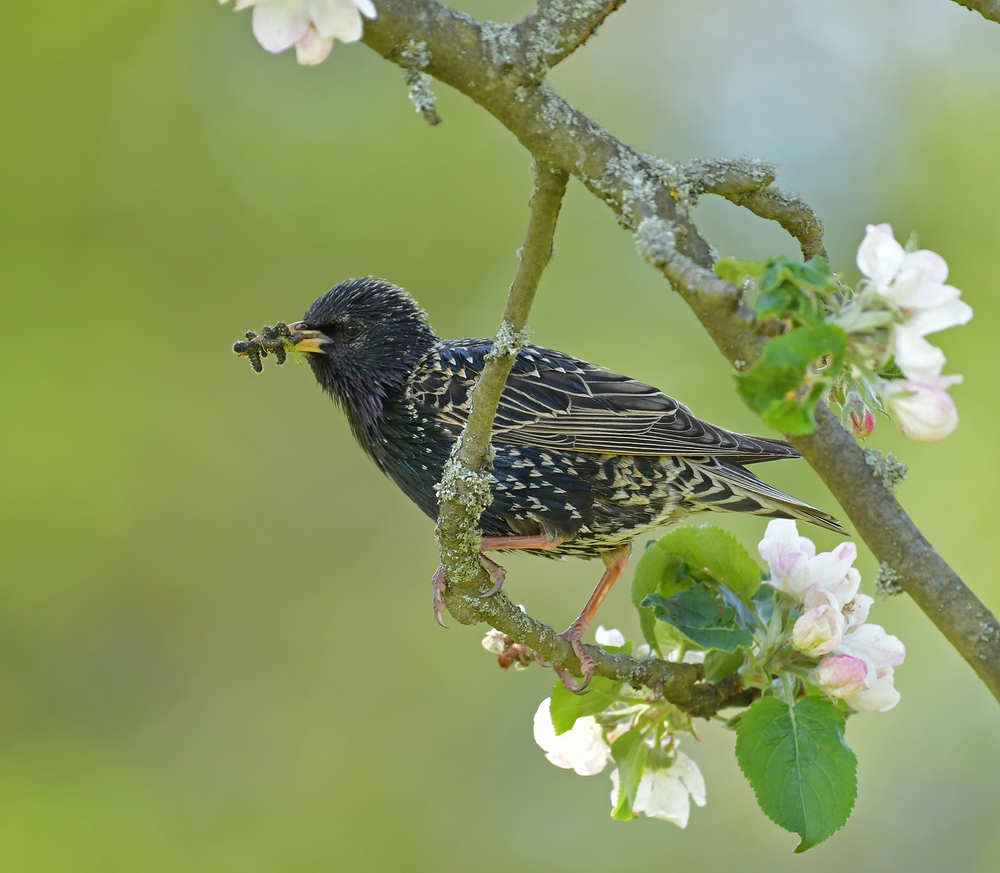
{"x":609,"y":637}
{"x":795,"y":566}
{"x":856,"y":611}
{"x":667,"y":793}
{"x":582,"y":748}
{"x":841,"y":675}
{"x":925,"y":409}
{"x":879,"y":652}
{"x":880,"y":697}
{"x":818,"y":631}
{"x":309,"y":25}
{"x":858,"y":416}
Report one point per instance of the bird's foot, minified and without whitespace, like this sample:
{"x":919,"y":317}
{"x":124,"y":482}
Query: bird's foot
{"x":497,"y":575}
{"x":440,"y":582}
{"x":573,"y":635}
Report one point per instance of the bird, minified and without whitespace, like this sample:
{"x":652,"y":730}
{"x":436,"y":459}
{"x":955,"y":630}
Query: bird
{"x":585,"y":459}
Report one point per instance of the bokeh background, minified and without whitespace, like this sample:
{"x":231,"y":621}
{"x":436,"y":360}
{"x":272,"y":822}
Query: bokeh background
{"x":216,"y":643}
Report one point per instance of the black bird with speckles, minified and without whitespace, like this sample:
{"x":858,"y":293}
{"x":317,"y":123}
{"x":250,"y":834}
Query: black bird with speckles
{"x":586,"y":459}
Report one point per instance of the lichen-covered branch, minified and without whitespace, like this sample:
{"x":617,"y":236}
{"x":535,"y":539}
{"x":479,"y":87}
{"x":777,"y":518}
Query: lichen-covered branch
{"x":557,"y":28}
{"x":987,"y":8}
{"x":792,"y":213}
{"x":488,"y":63}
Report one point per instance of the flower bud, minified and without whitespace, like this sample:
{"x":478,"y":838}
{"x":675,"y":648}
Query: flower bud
{"x":858,"y":417}
{"x":818,"y":631}
{"x":842,"y":675}
{"x":925,"y":410}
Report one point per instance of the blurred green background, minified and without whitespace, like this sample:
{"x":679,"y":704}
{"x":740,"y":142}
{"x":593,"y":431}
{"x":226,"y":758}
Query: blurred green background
{"x":216,"y":644}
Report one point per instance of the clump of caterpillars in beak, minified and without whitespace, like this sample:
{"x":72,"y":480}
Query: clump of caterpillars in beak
{"x":277,"y":340}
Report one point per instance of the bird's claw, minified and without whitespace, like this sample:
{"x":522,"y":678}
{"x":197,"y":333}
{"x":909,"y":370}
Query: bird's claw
{"x":497,"y":575}
{"x":440,"y":582}
{"x":573,"y":635}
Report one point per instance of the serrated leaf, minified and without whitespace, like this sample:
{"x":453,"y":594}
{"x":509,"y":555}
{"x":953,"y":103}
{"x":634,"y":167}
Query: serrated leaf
{"x":629,"y":752}
{"x":566,"y":707}
{"x":703,"y":617}
{"x":800,"y":767}
{"x":793,"y":375}
{"x":706,"y":549}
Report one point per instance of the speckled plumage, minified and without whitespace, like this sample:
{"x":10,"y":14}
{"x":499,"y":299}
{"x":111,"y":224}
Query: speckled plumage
{"x":583,"y":455}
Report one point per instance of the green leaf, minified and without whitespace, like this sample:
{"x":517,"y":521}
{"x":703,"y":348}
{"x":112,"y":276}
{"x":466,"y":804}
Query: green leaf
{"x":566,"y":707}
{"x":709,"y":551}
{"x":629,"y":752}
{"x":799,"y":766}
{"x":736,"y":271}
{"x":793,"y":374}
{"x":719,"y":663}
{"x":703,"y":617}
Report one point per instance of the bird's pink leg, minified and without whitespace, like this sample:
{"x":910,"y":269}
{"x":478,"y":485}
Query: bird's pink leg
{"x":615,"y":563}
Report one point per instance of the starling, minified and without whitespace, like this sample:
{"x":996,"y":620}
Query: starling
{"x":586,"y":459}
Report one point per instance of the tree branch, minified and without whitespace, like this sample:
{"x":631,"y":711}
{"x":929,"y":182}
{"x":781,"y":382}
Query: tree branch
{"x":989,"y":9}
{"x":487,"y":63}
{"x":557,"y":28}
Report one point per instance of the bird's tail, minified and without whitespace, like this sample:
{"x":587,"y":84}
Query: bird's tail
{"x":747,"y":493}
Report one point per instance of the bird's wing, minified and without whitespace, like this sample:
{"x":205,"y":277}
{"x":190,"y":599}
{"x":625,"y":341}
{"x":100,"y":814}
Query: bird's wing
{"x":555,"y":401}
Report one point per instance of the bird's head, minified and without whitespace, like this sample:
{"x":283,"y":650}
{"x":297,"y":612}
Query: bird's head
{"x":363,"y":337}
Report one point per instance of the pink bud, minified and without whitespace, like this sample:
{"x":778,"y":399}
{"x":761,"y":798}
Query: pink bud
{"x":818,"y":631}
{"x":858,"y":416}
{"x":842,"y":675}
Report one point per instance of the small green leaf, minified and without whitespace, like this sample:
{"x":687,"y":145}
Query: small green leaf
{"x":793,"y":375}
{"x":736,"y":271}
{"x":566,"y":707}
{"x":703,"y":617}
{"x":719,"y":663}
{"x":629,"y":752}
{"x":799,"y":766}
{"x":707,"y":550}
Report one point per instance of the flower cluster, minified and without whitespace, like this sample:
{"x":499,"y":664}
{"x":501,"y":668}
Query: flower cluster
{"x":670,"y":780}
{"x":857,"y":658}
{"x":309,"y":25}
{"x":908,"y":289}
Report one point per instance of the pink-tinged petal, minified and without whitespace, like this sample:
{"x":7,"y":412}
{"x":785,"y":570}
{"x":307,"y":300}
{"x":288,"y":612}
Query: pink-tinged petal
{"x":312,"y":49}
{"x":817,"y":596}
{"x":338,"y":19}
{"x":915,"y":356}
{"x":870,"y":641}
{"x":856,"y":612}
{"x":842,"y":675}
{"x":818,"y":631}
{"x":880,"y":697}
{"x":828,"y":569}
{"x":912,"y":291}
{"x":279,"y":24}
{"x":845,"y":589}
{"x":788,"y":556}
{"x":925,"y":410}
{"x":367,"y":8}
{"x":931,"y":264}
{"x":951,"y":314}
{"x":879,"y":255}
{"x":858,"y":416}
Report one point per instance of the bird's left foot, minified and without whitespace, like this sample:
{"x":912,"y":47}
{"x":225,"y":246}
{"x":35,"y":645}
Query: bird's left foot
{"x":497,"y":575}
{"x":574,"y":636}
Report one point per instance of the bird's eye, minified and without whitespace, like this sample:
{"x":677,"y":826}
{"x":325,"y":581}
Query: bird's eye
{"x":352,"y":330}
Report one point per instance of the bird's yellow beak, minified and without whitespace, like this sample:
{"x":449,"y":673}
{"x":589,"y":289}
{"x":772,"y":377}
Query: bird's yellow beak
{"x":306,"y":340}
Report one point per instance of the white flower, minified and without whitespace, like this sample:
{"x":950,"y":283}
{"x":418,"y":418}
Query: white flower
{"x":495,"y":641}
{"x":856,"y":612}
{"x":880,"y":652}
{"x":915,"y":284}
{"x":610,"y":637}
{"x":925,"y":409}
{"x":795,"y":566}
{"x":310,"y":25}
{"x":819,"y":631}
{"x":668,"y":793}
{"x":582,"y":748}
